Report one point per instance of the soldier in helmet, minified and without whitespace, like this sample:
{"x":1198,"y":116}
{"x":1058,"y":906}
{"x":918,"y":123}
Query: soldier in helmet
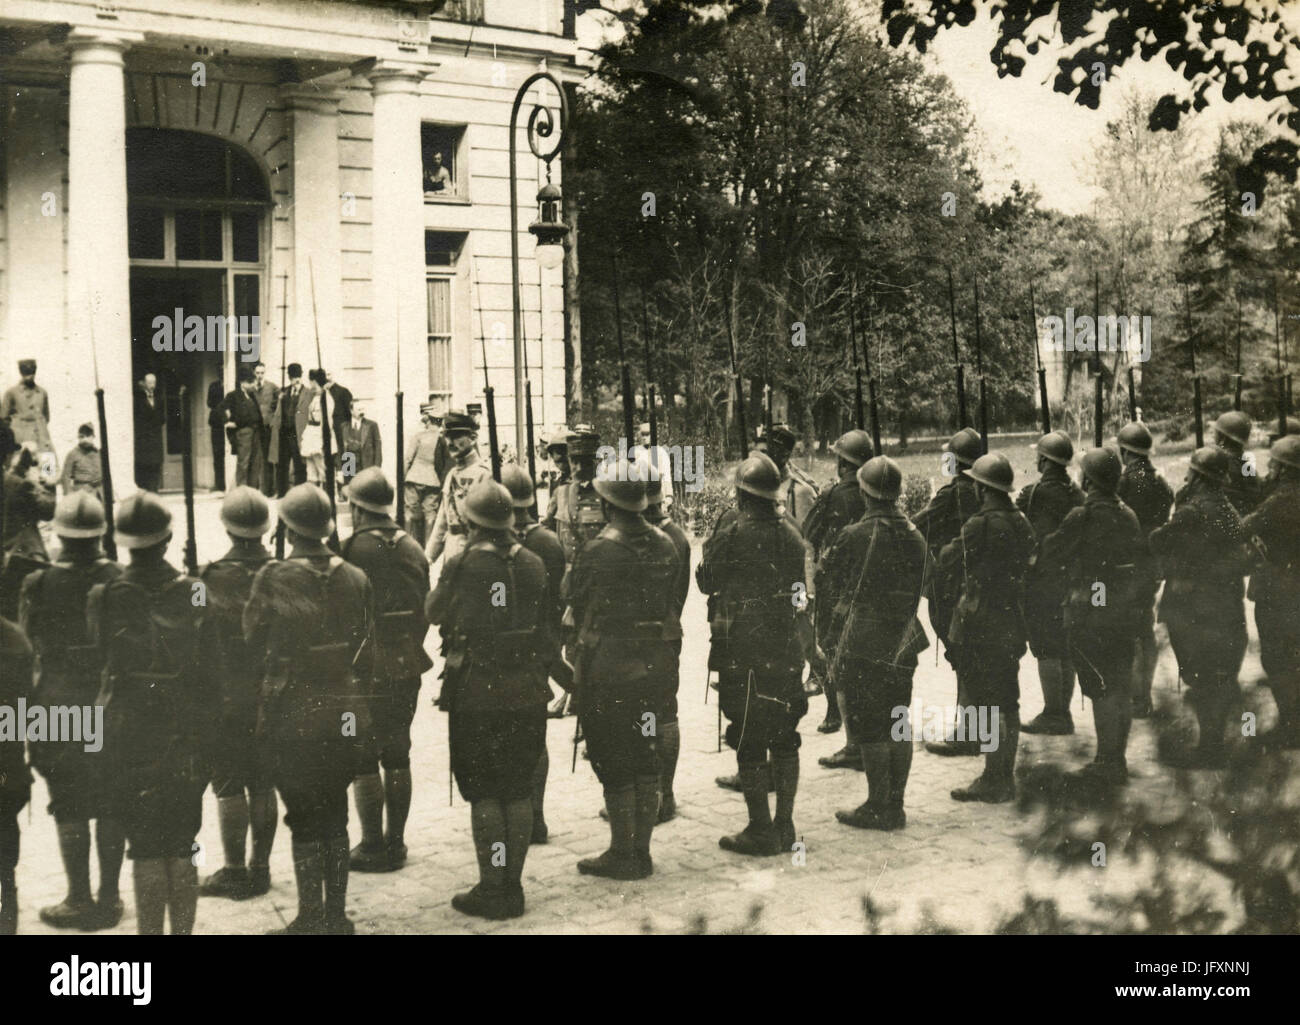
{"x":15,"y":779}
{"x":1144,"y":490}
{"x":940,"y":523}
{"x":1232,"y":435}
{"x":753,"y":566}
{"x":1045,"y":504}
{"x":575,"y":514}
{"x":836,"y":508}
{"x":399,"y":579}
{"x":987,"y":564}
{"x":622,"y":592}
{"x":1203,"y":557}
{"x":798,"y":492}
{"x":1275,"y":527}
{"x":1099,"y":550}
{"x":243,"y":788}
{"x":447,"y":536}
{"x":313,"y":616}
{"x":670,"y":733}
{"x":52,"y":613}
{"x":878,"y":566}
{"x":491,"y":600}
{"x":546,"y":546}
{"x":158,"y":700}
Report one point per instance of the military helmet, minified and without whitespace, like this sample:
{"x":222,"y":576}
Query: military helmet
{"x":142,"y":521}
{"x":1286,"y":450}
{"x":583,"y":441}
{"x":305,"y":509}
{"x":1056,"y":446}
{"x":994,"y":471}
{"x":1292,"y":427}
{"x":1234,"y":424}
{"x":245,"y":512}
{"x":1135,"y":438}
{"x":1212,"y":464}
{"x":780,"y":434}
{"x":854,"y":447}
{"x":79,"y":514}
{"x":759,"y":475}
{"x":1102,"y":467}
{"x":620,"y":484}
{"x":371,"y":490}
{"x":965,"y":445}
{"x":459,"y":422}
{"x":489,"y":505}
{"x":881,"y":478}
{"x":519,"y":484}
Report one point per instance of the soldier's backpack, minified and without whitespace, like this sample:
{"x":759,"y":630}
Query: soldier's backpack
{"x":399,"y":629}
{"x":229,"y":583}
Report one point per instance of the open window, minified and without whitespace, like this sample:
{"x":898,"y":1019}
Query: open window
{"x":446,"y":176}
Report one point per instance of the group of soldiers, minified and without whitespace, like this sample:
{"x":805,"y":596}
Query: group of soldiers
{"x":300,"y":676}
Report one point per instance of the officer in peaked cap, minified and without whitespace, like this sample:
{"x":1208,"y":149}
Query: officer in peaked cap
{"x":491,"y":602}
{"x":240,"y":778}
{"x":26,"y":406}
{"x":449,"y":530}
{"x":1144,"y":490}
{"x":312,"y":616}
{"x":52,"y":613}
{"x":399,"y":577}
{"x":1203,"y":556}
{"x":1045,"y":503}
{"x":987,"y":564}
{"x":158,"y":700}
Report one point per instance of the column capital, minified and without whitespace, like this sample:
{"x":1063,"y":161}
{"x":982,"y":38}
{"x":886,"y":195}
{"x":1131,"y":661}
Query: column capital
{"x":303,"y":96}
{"x":393,"y":76}
{"x":92,"y":44}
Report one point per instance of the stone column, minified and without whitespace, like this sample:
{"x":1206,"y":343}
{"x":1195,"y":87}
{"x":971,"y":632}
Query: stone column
{"x":99,"y":276}
{"x":317,"y":236}
{"x":400,"y":313}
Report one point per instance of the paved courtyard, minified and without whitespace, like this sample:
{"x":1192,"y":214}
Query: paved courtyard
{"x":957,"y":864}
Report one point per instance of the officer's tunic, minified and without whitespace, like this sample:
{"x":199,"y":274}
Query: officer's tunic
{"x":399,"y":577}
{"x":1100,"y":543}
{"x":66,"y":671}
{"x":82,"y":471}
{"x":1045,"y":504}
{"x":1203,"y":557}
{"x":27,"y":408}
{"x":623,"y":592}
{"x":238,"y":667}
{"x":422,"y":484}
{"x":491,"y":602}
{"x":451,"y":527}
{"x":753,"y":569}
{"x":878,"y":568}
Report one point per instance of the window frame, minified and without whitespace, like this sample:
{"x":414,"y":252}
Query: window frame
{"x":459,"y":195}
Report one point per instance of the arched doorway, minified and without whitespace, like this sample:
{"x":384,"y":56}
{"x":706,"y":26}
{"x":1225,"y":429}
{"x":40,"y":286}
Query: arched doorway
{"x":197,"y":241}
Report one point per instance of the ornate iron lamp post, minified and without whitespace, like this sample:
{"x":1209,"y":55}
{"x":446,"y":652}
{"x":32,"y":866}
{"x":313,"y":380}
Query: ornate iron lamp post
{"x":550,"y":231}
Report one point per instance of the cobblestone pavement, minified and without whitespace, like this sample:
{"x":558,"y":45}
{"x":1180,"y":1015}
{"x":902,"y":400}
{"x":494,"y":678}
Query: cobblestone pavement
{"x":959,"y":862}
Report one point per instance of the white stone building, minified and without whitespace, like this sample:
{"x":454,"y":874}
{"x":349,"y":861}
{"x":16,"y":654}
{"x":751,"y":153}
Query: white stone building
{"x":220,"y":155}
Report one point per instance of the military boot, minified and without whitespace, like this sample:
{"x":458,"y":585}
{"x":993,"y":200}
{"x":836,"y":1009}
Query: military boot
{"x":733,"y":782}
{"x":878,"y":811}
{"x":620,"y":861}
{"x":996,"y":785}
{"x":785,"y":773}
{"x":759,"y":837}
{"x":1057,"y":680}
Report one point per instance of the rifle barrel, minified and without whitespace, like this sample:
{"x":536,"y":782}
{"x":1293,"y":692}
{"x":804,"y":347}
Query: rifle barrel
{"x":979,"y":369}
{"x":106,"y":473}
{"x":187,"y":479}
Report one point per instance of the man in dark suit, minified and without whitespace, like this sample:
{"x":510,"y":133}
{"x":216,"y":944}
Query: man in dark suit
{"x":340,"y":406}
{"x":245,"y":416}
{"x":361,"y":442}
{"x":289,"y":420}
{"x":217,"y":432}
{"x":265,"y":392}
{"x":148,"y":435}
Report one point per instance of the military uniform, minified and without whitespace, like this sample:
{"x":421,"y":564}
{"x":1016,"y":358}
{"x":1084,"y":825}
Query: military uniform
{"x":28,"y":503}
{"x":1275,"y":587}
{"x":422,"y":483}
{"x":450,"y":527}
{"x":1203,"y":558}
{"x":940,"y":523}
{"x":27,"y":408}
{"x":1045,"y":504}
{"x":15,"y":780}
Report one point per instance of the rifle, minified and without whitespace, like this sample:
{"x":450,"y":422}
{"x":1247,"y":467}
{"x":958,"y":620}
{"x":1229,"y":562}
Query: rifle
{"x":528,"y":410}
{"x":1283,"y":398}
{"x":488,"y":399}
{"x":871,"y":384}
{"x":1098,"y":395}
{"x":1043,"y":406}
{"x":1236,"y":378}
{"x":857,"y":370}
{"x":740,"y":392}
{"x":1196,"y":378}
{"x":282,"y":471}
{"x":401,"y":441}
{"x":629,"y":400}
{"x":962,"y":419}
{"x":326,"y":428}
{"x":979,"y":369}
{"x":187,"y":478}
{"x":105,"y":470}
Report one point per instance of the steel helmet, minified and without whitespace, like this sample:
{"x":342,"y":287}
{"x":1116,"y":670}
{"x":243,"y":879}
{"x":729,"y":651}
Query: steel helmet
{"x":1234,"y":424}
{"x":1135,"y":438}
{"x":489,"y":505}
{"x":619,"y":483}
{"x":1056,"y":446}
{"x":854,"y":447}
{"x":994,"y":471}
{"x":1286,"y":450}
{"x":245,"y":512}
{"x":759,"y":476}
{"x":965,"y":445}
{"x":881,"y":478}
{"x":80,"y":514}
{"x":1102,"y":467}
{"x":305,"y":509}
{"x":1211,"y":464}
{"x":371,"y":490}
{"x":142,"y":521}
{"x":519,"y":484}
